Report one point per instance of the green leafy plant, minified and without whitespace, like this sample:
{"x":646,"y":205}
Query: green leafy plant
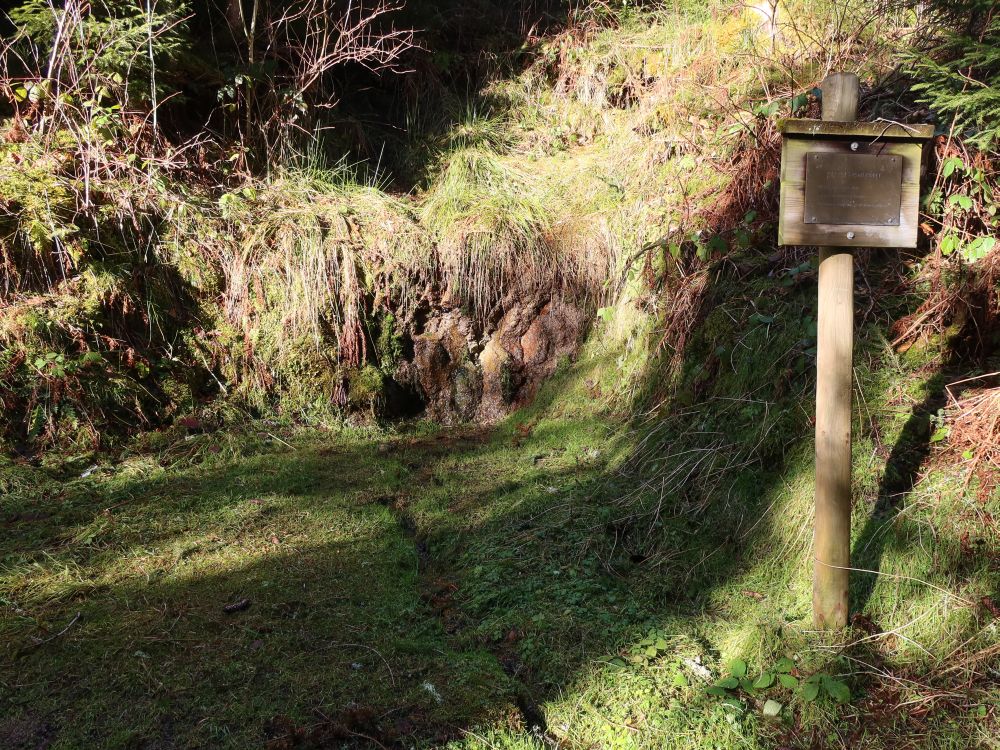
{"x":820,"y":683}
{"x":779,"y":675}
{"x":92,"y":52}
{"x":651,"y":648}
{"x":967,"y":208}
{"x":957,"y":72}
{"x":940,"y":426}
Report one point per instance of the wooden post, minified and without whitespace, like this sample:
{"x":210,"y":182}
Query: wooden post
{"x":835,"y":367}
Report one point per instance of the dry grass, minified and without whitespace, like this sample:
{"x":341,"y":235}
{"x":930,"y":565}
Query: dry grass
{"x":973,"y":420}
{"x":316,"y":253}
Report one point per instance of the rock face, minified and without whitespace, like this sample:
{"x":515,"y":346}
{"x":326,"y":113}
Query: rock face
{"x":468,"y":370}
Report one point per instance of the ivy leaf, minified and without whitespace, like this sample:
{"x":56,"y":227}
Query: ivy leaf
{"x":734,"y":703}
{"x":798,"y":102}
{"x":979,"y":248}
{"x":763,"y":682}
{"x":738,"y":668}
{"x":964,"y":201}
{"x":770,"y":109}
{"x":729,"y":683}
{"x":949,"y":243}
{"x":950,"y":165}
{"x":784,"y":664}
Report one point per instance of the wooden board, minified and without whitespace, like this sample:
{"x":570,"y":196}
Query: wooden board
{"x":792,"y":226}
{"x":859,"y":131}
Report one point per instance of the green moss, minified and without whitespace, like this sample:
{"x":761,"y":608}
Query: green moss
{"x":366,"y":386}
{"x":389,"y":345}
{"x":508,"y":385}
{"x":659,"y":489}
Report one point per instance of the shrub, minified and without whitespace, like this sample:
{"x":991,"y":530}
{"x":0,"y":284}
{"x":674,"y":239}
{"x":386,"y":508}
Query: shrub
{"x":957,"y":72}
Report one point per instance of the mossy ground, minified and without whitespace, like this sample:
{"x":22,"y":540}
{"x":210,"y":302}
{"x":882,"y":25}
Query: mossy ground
{"x":576,"y":576}
{"x":426,"y":588}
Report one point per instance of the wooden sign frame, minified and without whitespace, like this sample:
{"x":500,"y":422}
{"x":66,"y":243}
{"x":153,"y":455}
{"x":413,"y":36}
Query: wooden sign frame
{"x":844,"y":184}
{"x":803,"y":140}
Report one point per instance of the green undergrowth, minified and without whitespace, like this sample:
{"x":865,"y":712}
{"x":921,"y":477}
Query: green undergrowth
{"x":625,"y":563}
{"x":436,"y":588}
{"x":635,"y":146}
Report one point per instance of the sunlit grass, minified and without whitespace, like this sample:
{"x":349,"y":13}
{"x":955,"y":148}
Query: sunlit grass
{"x":421,"y":587}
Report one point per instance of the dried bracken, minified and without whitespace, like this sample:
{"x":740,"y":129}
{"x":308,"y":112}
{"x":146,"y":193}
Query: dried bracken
{"x":973,"y":420}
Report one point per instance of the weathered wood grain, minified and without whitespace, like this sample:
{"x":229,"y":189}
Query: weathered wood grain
{"x":860,"y":131}
{"x":834,"y":369}
{"x":792,"y":229}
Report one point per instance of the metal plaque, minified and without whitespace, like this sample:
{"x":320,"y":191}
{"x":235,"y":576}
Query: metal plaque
{"x":860,"y":189}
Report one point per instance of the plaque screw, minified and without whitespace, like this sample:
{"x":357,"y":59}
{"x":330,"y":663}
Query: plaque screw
{"x":854,"y":146}
{"x":850,"y":235}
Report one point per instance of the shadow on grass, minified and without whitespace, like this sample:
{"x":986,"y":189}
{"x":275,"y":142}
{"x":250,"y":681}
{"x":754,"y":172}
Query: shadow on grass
{"x":901,"y":474}
{"x":325,"y":623}
{"x":375,"y":592}
{"x":411,"y":592}
{"x":370,"y":594}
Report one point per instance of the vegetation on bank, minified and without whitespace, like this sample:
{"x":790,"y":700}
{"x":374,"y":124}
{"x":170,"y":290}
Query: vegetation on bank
{"x":625,"y":563}
{"x":148,"y":273}
{"x":555,"y":581}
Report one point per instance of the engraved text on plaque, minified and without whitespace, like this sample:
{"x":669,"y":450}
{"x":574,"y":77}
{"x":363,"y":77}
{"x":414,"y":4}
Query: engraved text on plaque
{"x":859,"y":189}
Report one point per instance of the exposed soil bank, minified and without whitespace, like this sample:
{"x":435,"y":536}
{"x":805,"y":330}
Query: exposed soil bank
{"x":469,"y":370}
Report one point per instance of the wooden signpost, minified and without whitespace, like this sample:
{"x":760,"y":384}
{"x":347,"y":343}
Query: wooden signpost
{"x":844,"y":184}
